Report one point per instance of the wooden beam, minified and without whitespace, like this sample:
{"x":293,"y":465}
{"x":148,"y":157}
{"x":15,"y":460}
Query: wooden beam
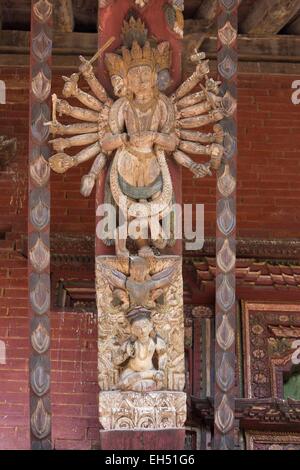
{"x":208,"y":10}
{"x":283,"y":48}
{"x":269,"y":17}
{"x":272,"y":48}
{"x":268,"y":55}
{"x":294,"y":26}
{"x":63,"y":16}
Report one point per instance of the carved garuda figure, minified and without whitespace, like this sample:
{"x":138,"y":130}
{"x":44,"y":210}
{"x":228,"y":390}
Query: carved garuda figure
{"x":140,"y":288}
{"x":135,"y":134}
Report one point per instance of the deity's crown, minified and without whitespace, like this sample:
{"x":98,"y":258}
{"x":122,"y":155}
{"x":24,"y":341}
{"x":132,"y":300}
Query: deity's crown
{"x":137,"y":50}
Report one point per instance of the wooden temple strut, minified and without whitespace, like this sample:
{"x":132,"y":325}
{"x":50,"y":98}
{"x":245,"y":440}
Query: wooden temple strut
{"x":39,"y":224}
{"x":225,"y":327}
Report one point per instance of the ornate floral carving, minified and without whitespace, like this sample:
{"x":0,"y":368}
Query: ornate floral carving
{"x":166,"y":316}
{"x":132,"y":410}
{"x":269,"y":332}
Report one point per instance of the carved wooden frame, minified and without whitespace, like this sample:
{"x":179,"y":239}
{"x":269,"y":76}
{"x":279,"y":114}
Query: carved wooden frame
{"x":274,"y":365}
{"x":254,"y":438}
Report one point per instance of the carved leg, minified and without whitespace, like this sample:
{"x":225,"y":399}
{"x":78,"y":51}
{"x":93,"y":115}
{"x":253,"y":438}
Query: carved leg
{"x":121,"y":249}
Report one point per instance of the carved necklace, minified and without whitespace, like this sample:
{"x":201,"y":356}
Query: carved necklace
{"x":142,"y":357}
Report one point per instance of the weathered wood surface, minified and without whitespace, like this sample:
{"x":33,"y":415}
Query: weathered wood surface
{"x":39,"y":225}
{"x":63,"y":16}
{"x":294,"y":26}
{"x":225,"y":306}
{"x":269,"y":17}
{"x":271,"y":48}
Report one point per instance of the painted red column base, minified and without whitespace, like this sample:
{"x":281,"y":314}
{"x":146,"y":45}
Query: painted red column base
{"x":166,"y":439}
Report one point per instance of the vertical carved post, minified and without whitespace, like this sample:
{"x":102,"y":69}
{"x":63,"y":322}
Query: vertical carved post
{"x":38,"y":223}
{"x":225,"y":239}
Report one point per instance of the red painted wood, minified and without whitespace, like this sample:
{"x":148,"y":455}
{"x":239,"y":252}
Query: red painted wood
{"x":169,"y":439}
{"x":110,"y":24}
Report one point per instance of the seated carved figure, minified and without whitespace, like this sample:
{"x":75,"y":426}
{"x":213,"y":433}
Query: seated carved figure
{"x":135,"y":356}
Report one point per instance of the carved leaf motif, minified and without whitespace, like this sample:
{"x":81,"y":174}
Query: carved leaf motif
{"x":40,"y":421}
{"x":39,"y":215}
{"x":229,"y":4}
{"x":39,"y":131}
{"x":40,"y":171}
{"x":230,"y":145}
{"x":40,"y":339}
{"x":227,"y":34}
{"x":226,"y":294}
{"x":226,"y":183}
{"x":226,"y":220}
{"x":40,"y":380}
{"x":39,"y":256}
{"x":41,"y":46}
{"x":226,"y":257}
{"x":227,"y":67}
{"x":225,"y":334}
{"x":40,"y":298}
{"x":225,"y":375}
{"x":41,"y":86}
{"x":42,"y":10}
{"x":229,"y":104}
{"x":224,"y":416}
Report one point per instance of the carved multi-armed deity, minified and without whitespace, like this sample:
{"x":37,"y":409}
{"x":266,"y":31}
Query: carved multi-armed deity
{"x":139,"y":291}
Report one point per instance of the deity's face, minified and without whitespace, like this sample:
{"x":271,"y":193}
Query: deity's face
{"x":141,"y":78}
{"x":142,"y":328}
{"x":119,"y":85}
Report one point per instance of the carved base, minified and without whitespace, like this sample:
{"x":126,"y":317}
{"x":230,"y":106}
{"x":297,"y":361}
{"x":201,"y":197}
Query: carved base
{"x":169,"y":439}
{"x":133,"y":410}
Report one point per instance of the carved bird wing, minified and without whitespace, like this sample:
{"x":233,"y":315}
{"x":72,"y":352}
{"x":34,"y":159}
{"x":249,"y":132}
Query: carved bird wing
{"x":115,"y":278}
{"x":163,"y":278}
{"x":196,"y":109}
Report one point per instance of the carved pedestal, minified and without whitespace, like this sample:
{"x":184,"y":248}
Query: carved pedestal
{"x":134,"y":395}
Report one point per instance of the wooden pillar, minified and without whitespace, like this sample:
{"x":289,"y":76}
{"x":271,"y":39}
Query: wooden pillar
{"x":226,"y":237}
{"x":38,"y":223}
{"x":110,"y":22}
